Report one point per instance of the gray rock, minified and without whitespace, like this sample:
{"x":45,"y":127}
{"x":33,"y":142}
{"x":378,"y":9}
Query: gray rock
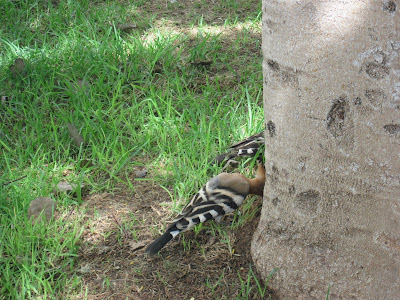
{"x":39,"y":205}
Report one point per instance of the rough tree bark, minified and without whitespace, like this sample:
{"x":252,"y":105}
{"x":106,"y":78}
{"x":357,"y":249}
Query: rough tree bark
{"x":331,"y":212}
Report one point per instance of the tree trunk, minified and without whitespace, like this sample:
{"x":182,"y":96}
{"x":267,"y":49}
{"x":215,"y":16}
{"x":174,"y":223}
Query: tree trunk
{"x":331,"y":212}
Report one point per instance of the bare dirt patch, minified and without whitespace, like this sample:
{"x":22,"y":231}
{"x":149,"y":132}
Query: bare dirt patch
{"x":113,"y":265}
{"x":188,"y":12}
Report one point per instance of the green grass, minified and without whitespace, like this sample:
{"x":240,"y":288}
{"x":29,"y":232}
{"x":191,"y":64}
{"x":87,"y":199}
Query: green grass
{"x":144,"y":98}
{"x":33,"y":256}
{"x":251,"y":282}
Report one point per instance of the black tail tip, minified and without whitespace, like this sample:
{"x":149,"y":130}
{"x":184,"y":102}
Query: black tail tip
{"x":158,"y":244}
{"x":151,"y":251}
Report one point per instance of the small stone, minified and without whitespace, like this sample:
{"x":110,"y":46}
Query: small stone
{"x":41,"y":207}
{"x":125,"y":27}
{"x":70,"y":188}
{"x":18,"y":68}
{"x":140,"y":174}
{"x":65,"y":186}
{"x":75,"y":135}
{"x":80,"y":85}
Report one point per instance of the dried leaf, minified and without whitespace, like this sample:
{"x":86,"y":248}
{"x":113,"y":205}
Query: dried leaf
{"x":136,"y":245}
{"x":211,"y":241}
{"x":75,"y":135}
{"x":86,"y":268}
{"x":104,"y":250}
{"x":156,"y":211}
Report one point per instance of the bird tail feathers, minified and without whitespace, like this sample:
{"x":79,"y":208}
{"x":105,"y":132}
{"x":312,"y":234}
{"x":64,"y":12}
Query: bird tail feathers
{"x":159,"y":243}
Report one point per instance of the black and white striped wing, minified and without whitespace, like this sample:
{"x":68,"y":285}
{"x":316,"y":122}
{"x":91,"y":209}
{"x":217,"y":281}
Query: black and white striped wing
{"x":247,"y":147}
{"x":250,"y":145}
{"x":211,"y":202}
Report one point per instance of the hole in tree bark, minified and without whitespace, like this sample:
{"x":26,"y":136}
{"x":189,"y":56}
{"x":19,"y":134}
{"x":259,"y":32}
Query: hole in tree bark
{"x":392,"y":129}
{"x":389,"y":6}
{"x":271,"y":128}
{"x":273,"y":65}
{"x":337,"y":116}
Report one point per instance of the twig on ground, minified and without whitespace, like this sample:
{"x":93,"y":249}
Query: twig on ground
{"x":7,"y":183}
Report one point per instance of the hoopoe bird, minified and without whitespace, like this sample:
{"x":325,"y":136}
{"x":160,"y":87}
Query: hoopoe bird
{"x":221,"y":195}
{"x":250,"y":146}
